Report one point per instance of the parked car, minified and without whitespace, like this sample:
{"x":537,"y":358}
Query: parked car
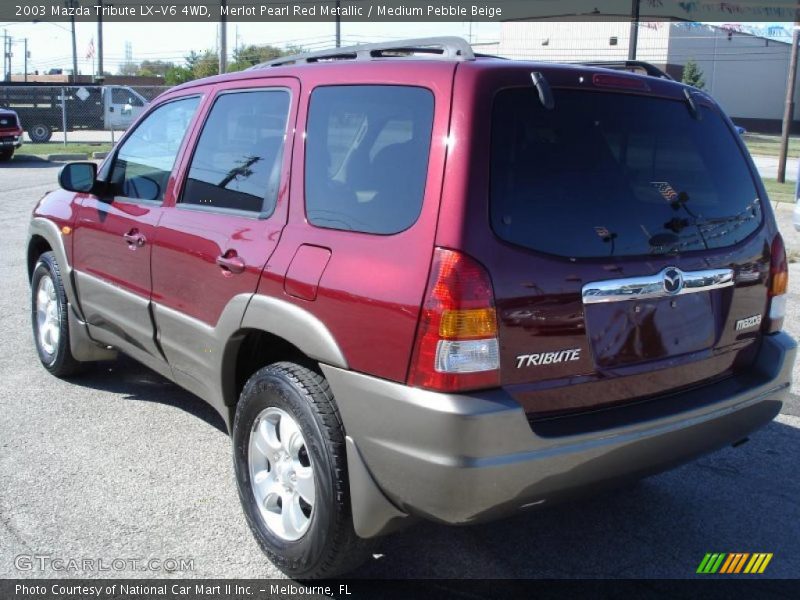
{"x":423,"y":285}
{"x":10,"y":133}
{"x":42,"y":107}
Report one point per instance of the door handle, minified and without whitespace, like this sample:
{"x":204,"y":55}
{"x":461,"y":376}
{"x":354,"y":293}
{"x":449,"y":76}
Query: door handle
{"x":230,"y":262}
{"x":134,"y":239}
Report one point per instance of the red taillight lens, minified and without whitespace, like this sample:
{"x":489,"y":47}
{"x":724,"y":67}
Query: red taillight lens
{"x":456,"y":347}
{"x":778,"y":285}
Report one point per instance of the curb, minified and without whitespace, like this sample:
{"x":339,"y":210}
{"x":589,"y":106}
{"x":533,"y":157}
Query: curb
{"x":99,"y":154}
{"x":65,"y":157}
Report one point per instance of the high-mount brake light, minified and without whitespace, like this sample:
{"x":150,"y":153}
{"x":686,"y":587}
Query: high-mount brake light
{"x":620,"y":82}
{"x":456,"y":347}
{"x":778,"y":285}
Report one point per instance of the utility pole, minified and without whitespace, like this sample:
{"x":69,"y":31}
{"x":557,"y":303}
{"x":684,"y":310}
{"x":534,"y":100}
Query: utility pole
{"x":26,"y":59}
{"x":223,"y":38}
{"x":788,"y":112}
{"x":338,"y":24}
{"x":7,"y":41}
{"x":634,"y":37}
{"x":73,"y":4}
{"x":99,"y":76}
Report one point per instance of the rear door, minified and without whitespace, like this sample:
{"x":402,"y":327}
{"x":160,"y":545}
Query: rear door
{"x":226,"y":220}
{"x":625,"y":247}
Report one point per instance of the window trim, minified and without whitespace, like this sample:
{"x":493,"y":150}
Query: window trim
{"x":105,"y":176}
{"x":305,"y":154}
{"x":260,"y":215}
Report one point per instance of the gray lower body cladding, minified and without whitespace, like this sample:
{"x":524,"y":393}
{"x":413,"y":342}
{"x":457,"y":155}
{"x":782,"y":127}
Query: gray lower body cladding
{"x":464,"y":458}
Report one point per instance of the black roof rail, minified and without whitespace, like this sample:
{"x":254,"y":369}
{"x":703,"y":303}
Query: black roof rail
{"x":444,"y":48}
{"x":628,"y":65}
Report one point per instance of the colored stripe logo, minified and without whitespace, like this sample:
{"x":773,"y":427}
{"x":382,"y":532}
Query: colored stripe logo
{"x":731,"y":563}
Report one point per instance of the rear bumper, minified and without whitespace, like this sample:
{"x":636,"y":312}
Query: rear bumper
{"x":11,"y":139}
{"x":463,"y":458}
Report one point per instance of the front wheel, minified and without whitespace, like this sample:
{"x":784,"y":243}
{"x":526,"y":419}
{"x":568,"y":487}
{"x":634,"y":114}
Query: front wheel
{"x":49,"y":312}
{"x":291,"y":471}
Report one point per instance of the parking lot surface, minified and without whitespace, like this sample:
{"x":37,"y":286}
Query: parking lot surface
{"x":121,"y":464}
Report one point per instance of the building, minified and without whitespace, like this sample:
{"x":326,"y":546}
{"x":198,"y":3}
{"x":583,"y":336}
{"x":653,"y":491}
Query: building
{"x":745,"y":73}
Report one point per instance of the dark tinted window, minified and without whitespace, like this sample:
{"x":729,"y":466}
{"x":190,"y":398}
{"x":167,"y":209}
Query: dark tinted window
{"x":367,"y":157}
{"x":145,"y":159}
{"x":237,"y":162}
{"x":614,"y":174}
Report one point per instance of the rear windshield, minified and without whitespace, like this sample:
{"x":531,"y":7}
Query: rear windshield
{"x":607,"y":174}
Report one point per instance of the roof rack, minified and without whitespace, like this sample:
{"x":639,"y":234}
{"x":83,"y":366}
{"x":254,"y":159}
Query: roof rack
{"x":443,"y":48}
{"x":628,"y":65}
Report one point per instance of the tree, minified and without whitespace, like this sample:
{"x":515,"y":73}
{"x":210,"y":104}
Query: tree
{"x":205,"y":65}
{"x":154,"y":68}
{"x":253,"y":54}
{"x":692,"y":75}
{"x":178,"y":75}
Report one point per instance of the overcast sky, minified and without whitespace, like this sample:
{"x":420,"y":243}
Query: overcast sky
{"x":50,"y":47}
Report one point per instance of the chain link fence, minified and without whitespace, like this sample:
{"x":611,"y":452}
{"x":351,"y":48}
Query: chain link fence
{"x":76,"y":113}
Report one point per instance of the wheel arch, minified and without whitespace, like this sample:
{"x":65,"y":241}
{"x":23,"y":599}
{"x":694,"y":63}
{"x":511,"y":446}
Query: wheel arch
{"x":273,"y":330}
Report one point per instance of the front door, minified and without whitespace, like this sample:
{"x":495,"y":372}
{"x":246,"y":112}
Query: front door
{"x":114,"y":232}
{"x":226,"y":221}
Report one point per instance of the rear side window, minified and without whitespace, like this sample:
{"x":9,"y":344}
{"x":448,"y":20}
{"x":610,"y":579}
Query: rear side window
{"x":367,"y":156}
{"x":606,"y":174}
{"x":238,"y":159}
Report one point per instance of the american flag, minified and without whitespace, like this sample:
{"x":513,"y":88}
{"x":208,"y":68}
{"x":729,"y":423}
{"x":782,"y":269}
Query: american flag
{"x":90,"y":49}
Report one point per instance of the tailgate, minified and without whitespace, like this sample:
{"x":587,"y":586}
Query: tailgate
{"x":632,"y":259}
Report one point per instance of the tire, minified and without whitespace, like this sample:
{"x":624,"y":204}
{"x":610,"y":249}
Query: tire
{"x":6,"y":154}
{"x":40,"y":133}
{"x":327,"y":544}
{"x":49,"y":314}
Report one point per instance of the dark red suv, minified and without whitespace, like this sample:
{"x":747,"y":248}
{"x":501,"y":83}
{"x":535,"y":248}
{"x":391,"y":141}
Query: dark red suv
{"x":420,"y":284}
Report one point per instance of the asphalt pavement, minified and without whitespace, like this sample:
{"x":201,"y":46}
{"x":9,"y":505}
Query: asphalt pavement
{"x":122,"y":465}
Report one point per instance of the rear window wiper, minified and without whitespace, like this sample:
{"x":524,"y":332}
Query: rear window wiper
{"x":545,"y":93}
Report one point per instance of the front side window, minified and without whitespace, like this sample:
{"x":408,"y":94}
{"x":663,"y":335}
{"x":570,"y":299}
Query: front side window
{"x":125,"y":96}
{"x":367,"y":150}
{"x":145,"y":159}
{"x":238,"y":159}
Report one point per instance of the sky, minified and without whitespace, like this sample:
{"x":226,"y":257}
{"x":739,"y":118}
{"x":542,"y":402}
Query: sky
{"x":50,"y":44}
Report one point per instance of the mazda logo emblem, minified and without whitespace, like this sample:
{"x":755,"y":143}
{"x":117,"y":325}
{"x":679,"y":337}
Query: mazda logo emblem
{"x":673,"y":280}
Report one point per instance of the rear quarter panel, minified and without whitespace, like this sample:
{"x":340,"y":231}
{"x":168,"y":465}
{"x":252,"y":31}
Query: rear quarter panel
{"x":370,"y":293}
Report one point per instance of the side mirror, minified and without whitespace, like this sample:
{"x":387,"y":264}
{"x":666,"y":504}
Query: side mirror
{"x":78,"y":177}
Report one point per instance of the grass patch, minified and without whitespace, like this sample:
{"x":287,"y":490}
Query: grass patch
{"x":770,"y":145}
{"x":779,"y":192}
{"x":60,"y":148}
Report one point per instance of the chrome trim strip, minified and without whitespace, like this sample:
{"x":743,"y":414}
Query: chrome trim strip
{"x":652,"y":286}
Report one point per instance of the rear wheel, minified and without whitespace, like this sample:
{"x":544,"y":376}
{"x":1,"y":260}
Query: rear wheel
{"x":291,"y":471}
{"x":40,"y":133}
{"x":49,"y":313}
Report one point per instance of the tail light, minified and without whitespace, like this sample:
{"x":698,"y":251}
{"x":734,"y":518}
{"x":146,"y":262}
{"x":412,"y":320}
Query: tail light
{"x":456,"y":347}
{"x":778,"y":285}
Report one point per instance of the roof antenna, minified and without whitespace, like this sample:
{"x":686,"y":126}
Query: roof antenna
{"x":545,"y":93}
